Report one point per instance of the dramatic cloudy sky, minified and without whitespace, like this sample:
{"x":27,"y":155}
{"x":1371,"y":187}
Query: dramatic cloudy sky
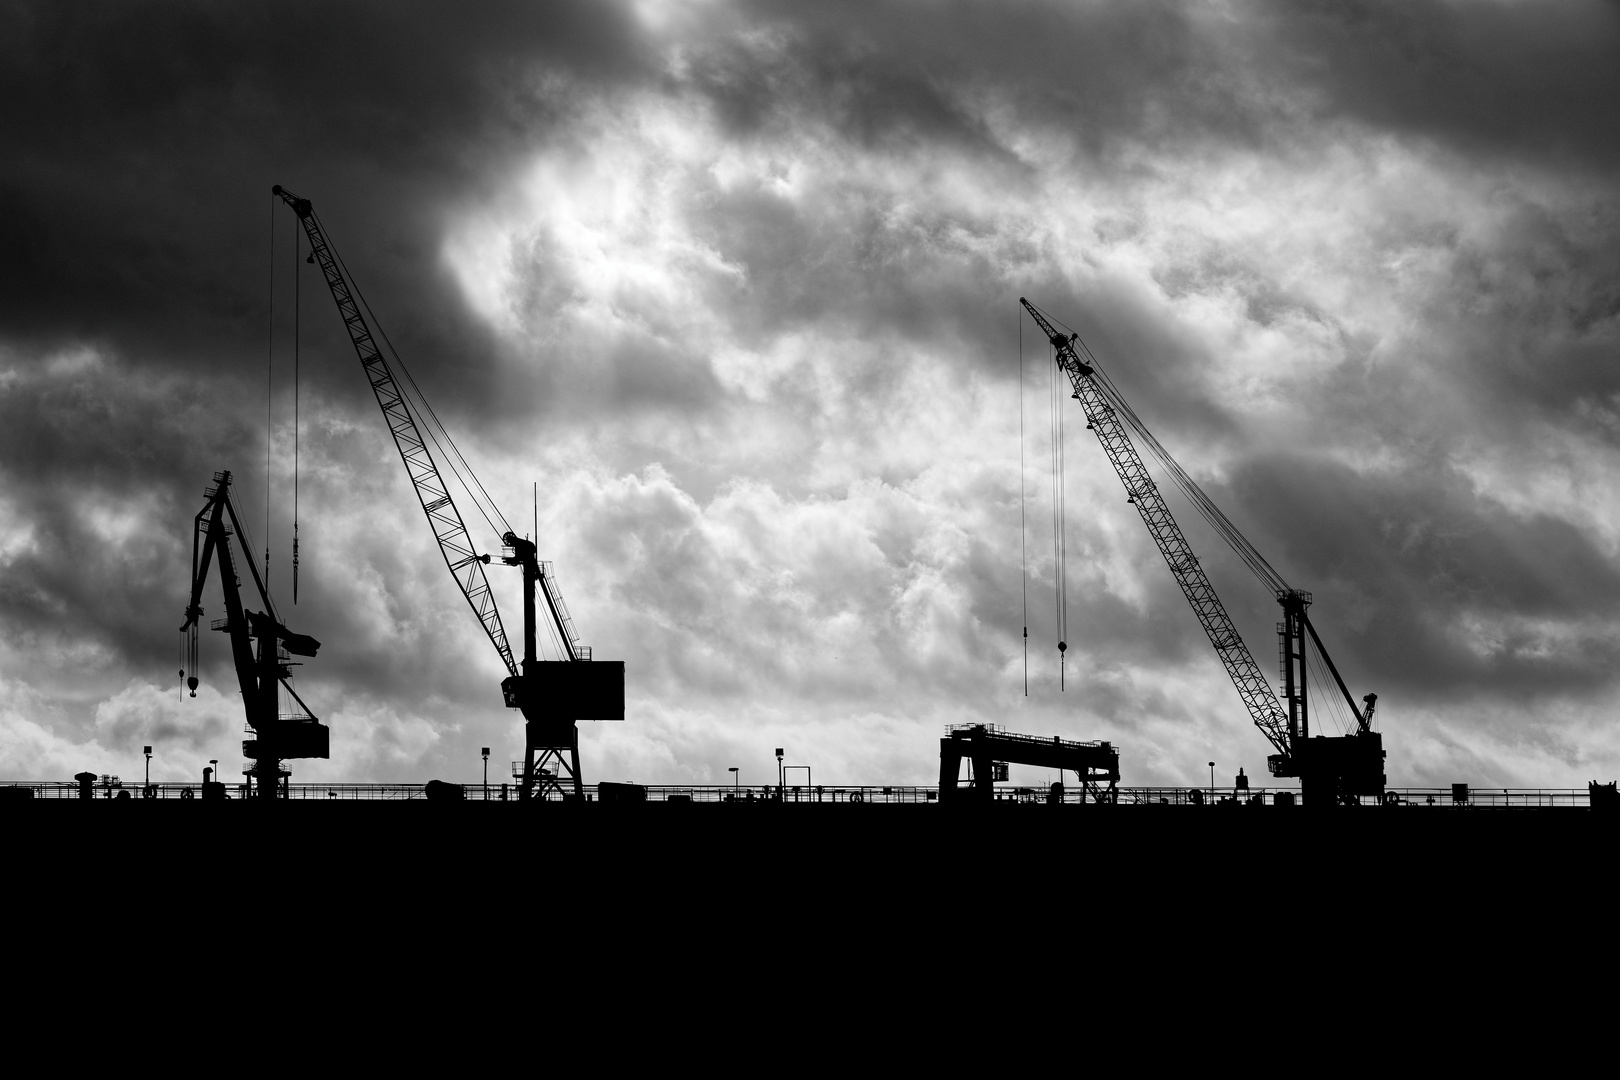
{"x":736,"y":284}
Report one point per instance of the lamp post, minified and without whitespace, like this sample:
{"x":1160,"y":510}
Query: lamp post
{"x":780,"y":784}
{"x":486,"y":774}
{"x":1212,"y":783}
{"x":147,"y":750}
{"x":734,"y":780}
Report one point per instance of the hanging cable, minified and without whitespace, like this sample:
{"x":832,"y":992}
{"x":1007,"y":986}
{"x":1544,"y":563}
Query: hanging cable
{"x":269,"y":393}
{"x":449,"y":453}
{"x":1346,"y":723}
{"x":1335,"y":706}
{"x":1023,"y":529}
{"x":1206,"y":507}
{"x":296,"y":276}
{"x":1059,"y":556}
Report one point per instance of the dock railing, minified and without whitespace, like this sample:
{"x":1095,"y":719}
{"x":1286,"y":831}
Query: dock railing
{"x":1451,"y":798}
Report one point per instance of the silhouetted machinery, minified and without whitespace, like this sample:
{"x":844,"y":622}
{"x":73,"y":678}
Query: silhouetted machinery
{"x":1331,"y":770}
{"x":552,"y":695}
{"x":261,"y":647}
{"x":990,"y":750}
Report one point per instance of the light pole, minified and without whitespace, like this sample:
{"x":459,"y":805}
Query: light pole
{"x":486,"y":774}
{"x":1212,"y":783}
{"x":779,"y":781}
{"x":147,"y":750}
{"x":734,"y":780}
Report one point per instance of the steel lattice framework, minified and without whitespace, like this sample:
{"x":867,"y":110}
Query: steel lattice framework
{"x":455,"y":544}
{"x":1103,"y":416}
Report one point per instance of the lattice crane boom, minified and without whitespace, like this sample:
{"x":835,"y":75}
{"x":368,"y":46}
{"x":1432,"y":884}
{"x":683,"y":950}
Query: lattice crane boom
{"x":1104,"y":420}
{"x":455,"y":544}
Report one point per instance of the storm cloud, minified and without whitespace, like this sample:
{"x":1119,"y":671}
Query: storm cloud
{"x":734,"y":287}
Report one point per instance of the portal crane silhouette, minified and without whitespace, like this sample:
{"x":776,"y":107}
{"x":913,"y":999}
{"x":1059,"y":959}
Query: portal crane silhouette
{"x":1330,"y":770}
{"x":552,"y":695}
{"x":261,"y":671}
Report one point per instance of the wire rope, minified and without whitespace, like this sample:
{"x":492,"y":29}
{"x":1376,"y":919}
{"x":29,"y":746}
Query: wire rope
{"x":1206,"y":507}
{"x":296,"y":312}
{"x":453,"y":458}
{"x":1329,"y":690}
{"x":1059,"y":556}
{"x":269,"y":392}
{"x":1023,"y":527}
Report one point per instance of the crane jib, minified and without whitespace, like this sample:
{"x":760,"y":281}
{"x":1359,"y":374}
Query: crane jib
{"x":1251,"y":682}
{"x":449,"y":530}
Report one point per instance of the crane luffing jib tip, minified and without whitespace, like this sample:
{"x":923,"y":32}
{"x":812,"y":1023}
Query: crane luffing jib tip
{"x":301,"y":207}
{"x":1064,"y":345}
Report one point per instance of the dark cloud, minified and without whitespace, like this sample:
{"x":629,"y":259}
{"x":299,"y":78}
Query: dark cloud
{"x":1531,"y":81}
{"x":735,"y":284}
{"x":139,"y":137}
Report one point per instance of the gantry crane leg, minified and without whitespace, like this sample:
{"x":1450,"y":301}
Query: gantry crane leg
{"x":551,"y":763}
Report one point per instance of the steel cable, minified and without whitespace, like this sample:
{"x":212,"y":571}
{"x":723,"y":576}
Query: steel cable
{"x":1206,"y":507}
{"x":453,"y":459}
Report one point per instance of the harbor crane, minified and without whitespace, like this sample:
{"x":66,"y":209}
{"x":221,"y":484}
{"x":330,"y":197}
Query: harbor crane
{"x":261,"y":646}
{"x":1331,"y":770}
{"x":552,"y":695}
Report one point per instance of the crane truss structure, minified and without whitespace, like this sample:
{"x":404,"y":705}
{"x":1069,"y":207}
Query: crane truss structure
{"x":551,"y":695}
{"x":1103,"y":417}
{"x":455,"y":544}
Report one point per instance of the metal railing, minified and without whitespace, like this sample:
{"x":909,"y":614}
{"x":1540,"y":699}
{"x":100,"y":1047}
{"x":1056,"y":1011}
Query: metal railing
{"x":850,"y":794}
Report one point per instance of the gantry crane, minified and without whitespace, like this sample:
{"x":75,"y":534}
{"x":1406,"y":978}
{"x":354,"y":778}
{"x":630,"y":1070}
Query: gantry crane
{"x":1330,"y":770}
{"x":261,"y":671}
{"x":552,"y":695}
